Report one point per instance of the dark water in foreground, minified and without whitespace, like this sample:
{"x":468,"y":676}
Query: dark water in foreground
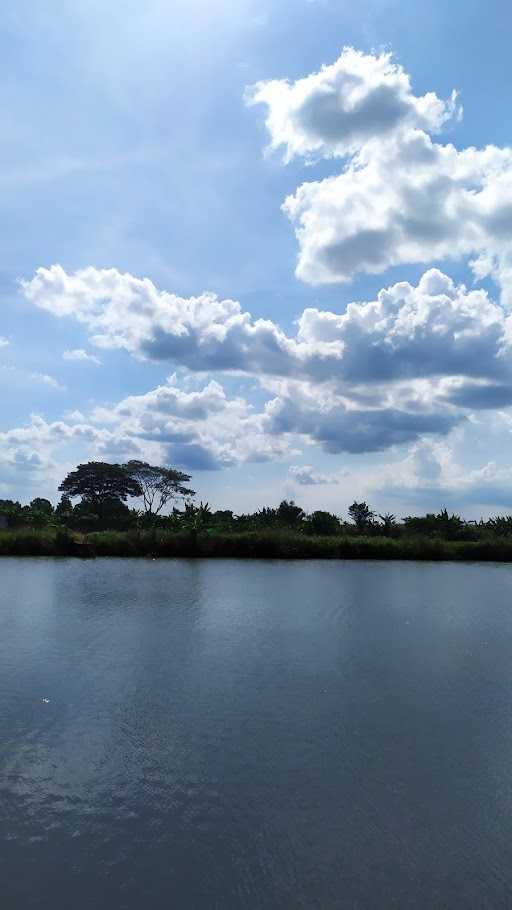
{"x":255,"y":735}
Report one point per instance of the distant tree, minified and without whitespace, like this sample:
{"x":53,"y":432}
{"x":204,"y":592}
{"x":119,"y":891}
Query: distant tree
{"x":263,"y":518}
{"x":11,"y":510}
{"x":388,"y":521}
{"x":37,"y":518}
{"x":99,"y":482}
{"x":289,"y":515}
{"x":114,"y":514}
{"x":500,"y":525}
{"x":361,"y":515}
{"x":223,"y":520}
{"x":158,"y":485}
{"x":64,"y":508}
{"x":196,"y":519}
{"x":323,"y":523}
{"x":9,"y":505}
{"x":448,"y":527}
{"x":41,"y":505}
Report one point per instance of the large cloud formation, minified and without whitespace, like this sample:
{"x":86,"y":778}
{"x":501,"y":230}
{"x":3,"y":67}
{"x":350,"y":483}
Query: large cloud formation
{"x":436,"y":328}
{"x":401,"y":197}
{"x":415,"y":362}
{"x":333,"y":112}
{"x":201,"y":430}
{"x":385,"y":372}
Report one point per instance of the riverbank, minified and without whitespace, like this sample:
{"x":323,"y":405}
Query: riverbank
{"x":249,"y":545}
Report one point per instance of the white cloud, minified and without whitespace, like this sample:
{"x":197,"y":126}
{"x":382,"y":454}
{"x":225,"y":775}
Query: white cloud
{"x":436,"y":328}
{"x":205,"y":429}
{"x":47,"y":380}
{"x":337,"y":423}
{"x":430,"y":476}
{"x":410,"y":349}
{"x":411,"y":363}
{"x":80,"y":355}
{"x":198,"y":430}
{"x":202,"y":429}
{"x":406,"y":200}
{"x":335,"y":111}
{"x":3,"y":342}
{"x":401,"y":198}
{"x":122,"y":311}
{"x":306,"y":475}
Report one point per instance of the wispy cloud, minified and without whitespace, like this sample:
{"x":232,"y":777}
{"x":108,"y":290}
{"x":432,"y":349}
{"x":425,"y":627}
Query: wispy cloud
{"x":82,"y":356}
{"x":45,"y":379}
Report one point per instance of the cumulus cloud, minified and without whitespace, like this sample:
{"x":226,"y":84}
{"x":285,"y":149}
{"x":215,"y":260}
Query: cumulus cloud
{"x":201,"y":430}
{"x":406,"y":200}
{"x":431,"y":476}
{"x":337,"y":424}
{"x":413,"y":362}
{"x":122,"y":311}
{"x":40,"y":449}
{"x":206,"y":429}
{"x":408,"y":333}
{"x":433,"y":329}
{"x":80,"y":355}
{"x":3,"y":342}
{"x":335,"y":111}
{"x":401,"y":198}
{"x":306,"y":475}
{"x":197,"y":430}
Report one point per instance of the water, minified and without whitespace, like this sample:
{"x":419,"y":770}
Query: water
{"x":202,"y":734}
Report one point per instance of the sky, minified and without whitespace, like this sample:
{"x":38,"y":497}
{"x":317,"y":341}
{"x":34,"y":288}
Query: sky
{"x":267,"y":243}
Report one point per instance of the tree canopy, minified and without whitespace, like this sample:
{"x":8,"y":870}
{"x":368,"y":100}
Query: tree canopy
{"x":99,"y":482}
{"x":361,"y":515}
{"x":289,"y":514}
{"x":158,"y":485}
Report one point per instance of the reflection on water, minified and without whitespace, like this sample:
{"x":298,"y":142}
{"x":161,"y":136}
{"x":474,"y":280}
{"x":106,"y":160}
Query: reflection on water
{"x":201,"y":734}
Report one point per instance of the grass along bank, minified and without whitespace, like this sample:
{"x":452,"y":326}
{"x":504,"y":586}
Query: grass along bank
{"x":267,"y":544}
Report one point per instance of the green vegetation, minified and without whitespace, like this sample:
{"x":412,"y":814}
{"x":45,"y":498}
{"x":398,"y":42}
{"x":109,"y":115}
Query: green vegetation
{"x":269,"y":544}
{"x":102,"y":524}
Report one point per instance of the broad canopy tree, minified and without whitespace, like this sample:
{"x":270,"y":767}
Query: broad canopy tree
{"x":157,"y":485}
{"x":104,"y":487}
{"x":100,"y":483}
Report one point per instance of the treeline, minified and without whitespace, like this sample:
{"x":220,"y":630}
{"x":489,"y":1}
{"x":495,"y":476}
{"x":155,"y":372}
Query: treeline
{"x":165,"y":504}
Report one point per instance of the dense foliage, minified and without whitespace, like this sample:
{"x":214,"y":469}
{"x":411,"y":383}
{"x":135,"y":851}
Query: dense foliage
{"x":102,"y":491}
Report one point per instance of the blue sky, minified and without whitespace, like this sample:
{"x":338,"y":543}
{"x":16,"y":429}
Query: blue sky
{"x":131,"y":150}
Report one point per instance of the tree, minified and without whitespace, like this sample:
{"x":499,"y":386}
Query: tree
{"x":10,"y":510}
{"x":98,"y":483}
{"x":195,"y":519}
{"x":448,"y":527}
{"x":323,"y":523}
{"x":39,"y":513}
{"x":501,"y":525}
{"x":361,"y":515}
{"x":158,"y":485}
{"x":41,"y":505}
{"x":289,"y":515}
{"x":64,"y":508}
{"x":114,"y":514}
{"x":389,"y":521}
{"x":222,"y":520}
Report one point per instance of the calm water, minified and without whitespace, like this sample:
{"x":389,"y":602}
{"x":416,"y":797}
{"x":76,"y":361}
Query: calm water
{"x":255,"y":734}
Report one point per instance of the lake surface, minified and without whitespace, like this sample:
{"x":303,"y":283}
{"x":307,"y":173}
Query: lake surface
{"x":234,"y":734}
